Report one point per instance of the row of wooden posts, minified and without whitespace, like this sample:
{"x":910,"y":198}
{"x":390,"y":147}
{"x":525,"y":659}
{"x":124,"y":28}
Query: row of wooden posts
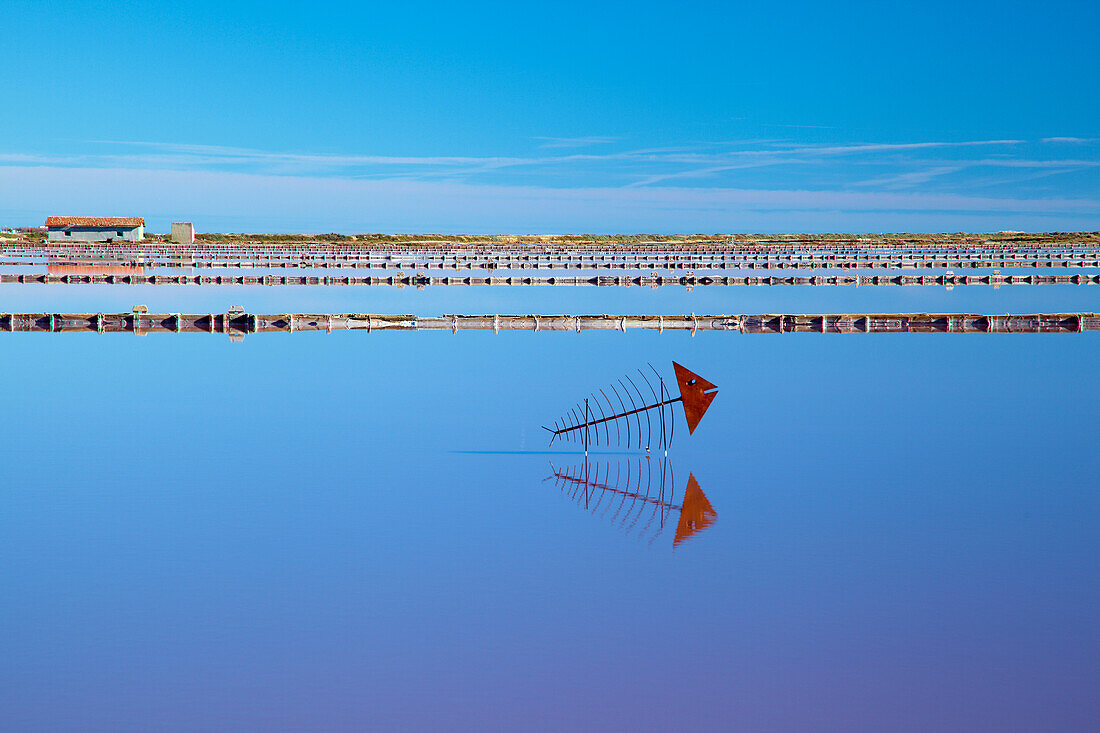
{"x":420,"y":280}
{"x":238,"y":322}
{"x":929,"y":262}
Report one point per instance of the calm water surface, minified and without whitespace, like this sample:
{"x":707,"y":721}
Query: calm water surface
{"x":350,"y":532}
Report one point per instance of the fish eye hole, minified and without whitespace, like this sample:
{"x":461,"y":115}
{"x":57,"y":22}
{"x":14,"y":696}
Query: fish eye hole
{"x":693,"y":381}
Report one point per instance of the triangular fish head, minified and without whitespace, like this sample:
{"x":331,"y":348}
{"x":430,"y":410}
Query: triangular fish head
{"x":696,"y":394}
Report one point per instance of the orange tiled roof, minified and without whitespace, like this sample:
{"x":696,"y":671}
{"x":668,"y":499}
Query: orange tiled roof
{"x":95,"y":221}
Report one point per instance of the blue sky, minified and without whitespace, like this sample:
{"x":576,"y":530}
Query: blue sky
{"x":483,"y":117}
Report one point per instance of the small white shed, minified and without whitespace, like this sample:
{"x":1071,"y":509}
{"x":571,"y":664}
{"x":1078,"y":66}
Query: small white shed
{"x":183,"y":232}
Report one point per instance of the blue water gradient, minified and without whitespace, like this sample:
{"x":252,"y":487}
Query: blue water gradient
{"x":352,"y":531}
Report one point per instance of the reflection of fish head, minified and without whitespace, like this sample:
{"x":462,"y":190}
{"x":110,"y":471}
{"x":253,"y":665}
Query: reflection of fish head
{"x":696,"y":513}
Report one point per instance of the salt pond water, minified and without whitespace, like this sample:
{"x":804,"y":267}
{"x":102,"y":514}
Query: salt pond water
{"x":352,"y":531}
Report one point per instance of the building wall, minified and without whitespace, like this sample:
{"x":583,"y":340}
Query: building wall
{"x":183,"y":232}
{"x":97,"y":234}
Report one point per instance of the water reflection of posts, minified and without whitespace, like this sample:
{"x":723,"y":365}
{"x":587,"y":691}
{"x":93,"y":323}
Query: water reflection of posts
{"x":636,"y":496}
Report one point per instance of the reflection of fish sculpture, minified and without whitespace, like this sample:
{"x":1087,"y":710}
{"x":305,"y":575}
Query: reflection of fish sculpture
{"x":581,"y":424}
{"x":637,"y":495}
{"x":696,"y":513}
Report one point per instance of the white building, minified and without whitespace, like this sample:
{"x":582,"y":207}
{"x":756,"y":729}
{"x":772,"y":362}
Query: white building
{"x":95,"y":228}
{"x":183,"y":232}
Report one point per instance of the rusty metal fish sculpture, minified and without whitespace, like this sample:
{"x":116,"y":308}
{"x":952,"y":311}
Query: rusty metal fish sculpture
{"x":582,"y":425}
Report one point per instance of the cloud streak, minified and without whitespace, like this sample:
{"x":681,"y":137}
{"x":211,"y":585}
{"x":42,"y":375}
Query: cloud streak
{"x":251,"y":202}
{"x":574,"y":142}
{"x":631,"y":167}
{"x":1069,"y":140}
{"x":742,"y":186}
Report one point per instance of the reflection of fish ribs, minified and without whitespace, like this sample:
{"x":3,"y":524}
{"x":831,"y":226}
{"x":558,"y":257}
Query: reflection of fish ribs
{"x":582,"y":425}
{"x":635,"y":493}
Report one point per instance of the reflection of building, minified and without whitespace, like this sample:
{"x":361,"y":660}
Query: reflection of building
{"x":95,"y":228}
{"x":60,"y":269}
{"x":638,"y":496}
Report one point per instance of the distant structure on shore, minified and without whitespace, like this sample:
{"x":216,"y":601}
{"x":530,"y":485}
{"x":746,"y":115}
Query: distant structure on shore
{"x":183,"y":232}
{"x":95,"y":228}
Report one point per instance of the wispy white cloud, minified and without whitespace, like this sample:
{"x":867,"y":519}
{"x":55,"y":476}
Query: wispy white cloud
{"x":219,"y":200}
{"x":895,"y":147}
{"x":574,"y":142}
{"x":1021,"y":163}
{"x":912,"y":178}
{"x":696,"y":173}
{"x":801,"y":127}
{"x":922,"y":167}
{"x":230,"y":155}
{"x":929,"y":170}
{"x":1070,"y":140}
{"x":226,"y":157}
